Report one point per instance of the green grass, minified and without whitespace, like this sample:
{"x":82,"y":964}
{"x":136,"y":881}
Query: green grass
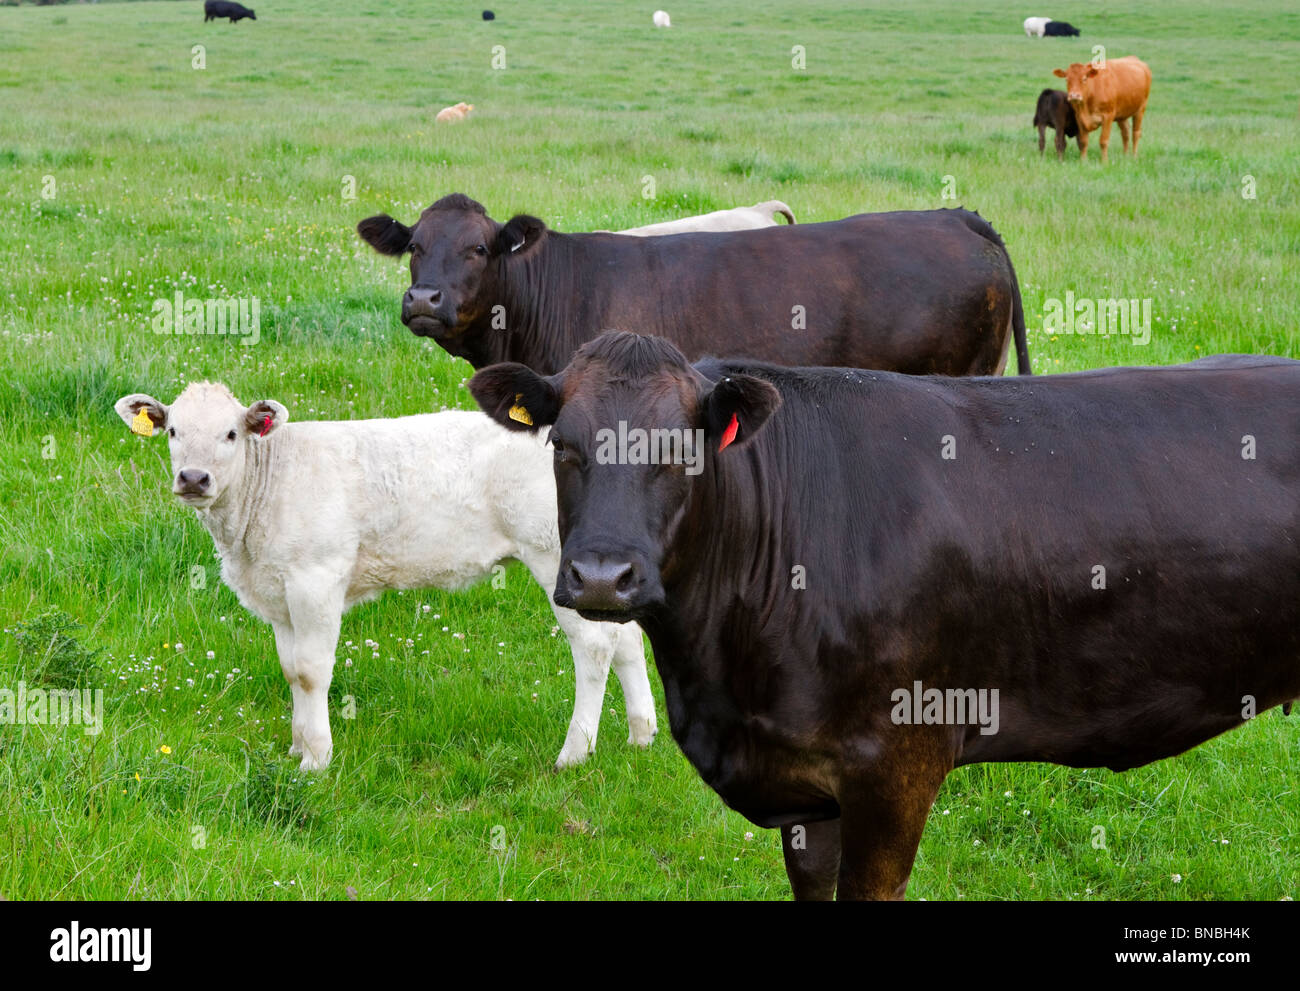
{"x":228,"y":181}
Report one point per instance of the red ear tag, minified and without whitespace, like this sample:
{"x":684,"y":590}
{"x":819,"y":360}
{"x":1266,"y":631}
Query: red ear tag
{"x":266,"y":426}
{"x":729,"y":434}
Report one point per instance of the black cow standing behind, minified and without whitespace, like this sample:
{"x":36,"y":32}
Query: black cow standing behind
{"x":916,"y":291}
{"x":1098,"y":569}
{"x":1054,"y":111}
{"x":216,"y":9}
{"x":1059,"y":29}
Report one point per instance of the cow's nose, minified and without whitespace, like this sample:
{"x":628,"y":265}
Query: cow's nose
{"x":423,"y":298}
{"x":601,"y":586}
{"x":193,"y":480}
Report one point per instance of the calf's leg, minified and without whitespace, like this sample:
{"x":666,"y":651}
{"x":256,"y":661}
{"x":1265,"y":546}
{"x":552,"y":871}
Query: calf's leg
{"x":593,"y":650}
{"x":1042,"y":137}
{"x":1137,"y":127}
{"x":629,"y":665}
{"x":1105,"y":138}
{"x":1123,"y":133}
{"x":812,"y":859}
{"x":315,"y":610}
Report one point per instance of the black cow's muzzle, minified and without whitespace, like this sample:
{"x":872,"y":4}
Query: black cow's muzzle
{"x":604,"y":588}
{"x":428,"y":312}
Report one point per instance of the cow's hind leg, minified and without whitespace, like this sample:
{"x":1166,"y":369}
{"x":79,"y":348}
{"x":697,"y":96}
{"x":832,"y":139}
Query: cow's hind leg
{"x":812,"y":859}
{"x":593,"y":649}
{"x":1137,"y":127}
{"x":1042,"y":138}
{"x":629,"y":665}
{"x":1123,"y":133}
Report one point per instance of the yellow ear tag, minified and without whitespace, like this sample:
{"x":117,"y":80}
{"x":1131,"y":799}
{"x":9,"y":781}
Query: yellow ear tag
{"x":141,"y":424}
{"x":518,"y":413}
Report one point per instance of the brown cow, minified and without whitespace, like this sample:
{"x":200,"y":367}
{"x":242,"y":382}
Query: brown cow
{"x":1116,"y":90}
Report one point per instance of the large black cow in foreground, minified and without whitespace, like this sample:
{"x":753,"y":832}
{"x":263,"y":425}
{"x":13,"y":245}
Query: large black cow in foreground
{"x":919,"y":292}
{"x":217,"y":9}
{"x":863,"y":559}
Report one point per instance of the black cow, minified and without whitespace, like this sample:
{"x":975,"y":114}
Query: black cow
{"x":1054,"y":111}
{"x":489,"y":16}
{"x":1059,"y":29}
{"x":215,"y":9}
{"x":922,"y":291}
{"x":1116,"y":553}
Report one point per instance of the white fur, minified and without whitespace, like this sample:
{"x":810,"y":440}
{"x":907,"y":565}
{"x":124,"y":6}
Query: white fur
{"x":317,"y":516}
{"x":741,"y":218}
{"x":661,"y":19}
{"x":1035,"y":26}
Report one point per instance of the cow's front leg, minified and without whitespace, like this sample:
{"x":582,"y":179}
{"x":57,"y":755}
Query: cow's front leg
{"x":1105,"y":139}
{"x":883,"y":812}
{"x":284,"y":649}
{"x":629,"y":665}
{"x":1083,"y":144}
{"x":812,"y":859}
{"x":315,"y":609}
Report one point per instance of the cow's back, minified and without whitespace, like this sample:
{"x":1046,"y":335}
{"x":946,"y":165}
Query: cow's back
{"x":832,"y":293}
{"x":1127,"y":86}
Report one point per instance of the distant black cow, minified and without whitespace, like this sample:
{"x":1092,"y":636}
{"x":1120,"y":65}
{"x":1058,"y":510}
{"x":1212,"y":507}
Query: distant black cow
{"x":1054,"y":111}
{"x":915,"y":291}
{"x":1059,"y":29}
{"x":489,"y":16}
{"x":216,"y":9}
{"x":863,"y":580}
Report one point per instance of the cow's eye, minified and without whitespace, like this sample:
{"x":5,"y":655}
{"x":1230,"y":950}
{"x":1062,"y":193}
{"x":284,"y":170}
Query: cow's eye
{"x":231,"y":436}
{"x":480,"y":249}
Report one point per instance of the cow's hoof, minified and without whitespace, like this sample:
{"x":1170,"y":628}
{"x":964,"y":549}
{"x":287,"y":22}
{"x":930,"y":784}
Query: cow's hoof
{"x":567,"y":759}
{"x":295,"y":750}
{"x":642,"y":735}
{"x":317,"y":758}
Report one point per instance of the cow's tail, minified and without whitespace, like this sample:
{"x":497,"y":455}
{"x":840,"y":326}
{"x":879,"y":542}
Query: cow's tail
{"x":776,"y":206}
{"x":985,"y":230}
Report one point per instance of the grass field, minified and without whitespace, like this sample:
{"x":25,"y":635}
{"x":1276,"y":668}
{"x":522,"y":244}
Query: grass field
{"x":229,"y":181}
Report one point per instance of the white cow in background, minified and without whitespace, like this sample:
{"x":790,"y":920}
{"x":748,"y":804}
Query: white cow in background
{"x":311,"y":518}
{"x":1035,"y":26}
{"x":661,"y":19}
{"x":741,"y":218}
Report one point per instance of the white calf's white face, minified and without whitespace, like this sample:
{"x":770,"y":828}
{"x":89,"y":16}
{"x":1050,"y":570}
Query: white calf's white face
{"x":208,"y":435}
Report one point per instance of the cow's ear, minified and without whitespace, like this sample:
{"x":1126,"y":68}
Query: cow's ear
{"x":519,"y":235}
{"x":1060,"y":72}
{"x":516,"y":396}
{"x":129,"y":408}
{"x":736,"y":409}
{"x":264,"y":416}
{"x":385,"y":234}
{"x":1092,"y":71}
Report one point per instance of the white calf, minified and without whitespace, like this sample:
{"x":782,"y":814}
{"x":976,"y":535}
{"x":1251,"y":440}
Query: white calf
{"x":311,"y":518}
{"x":741,"y":218}
{"x":1035,"y":26}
